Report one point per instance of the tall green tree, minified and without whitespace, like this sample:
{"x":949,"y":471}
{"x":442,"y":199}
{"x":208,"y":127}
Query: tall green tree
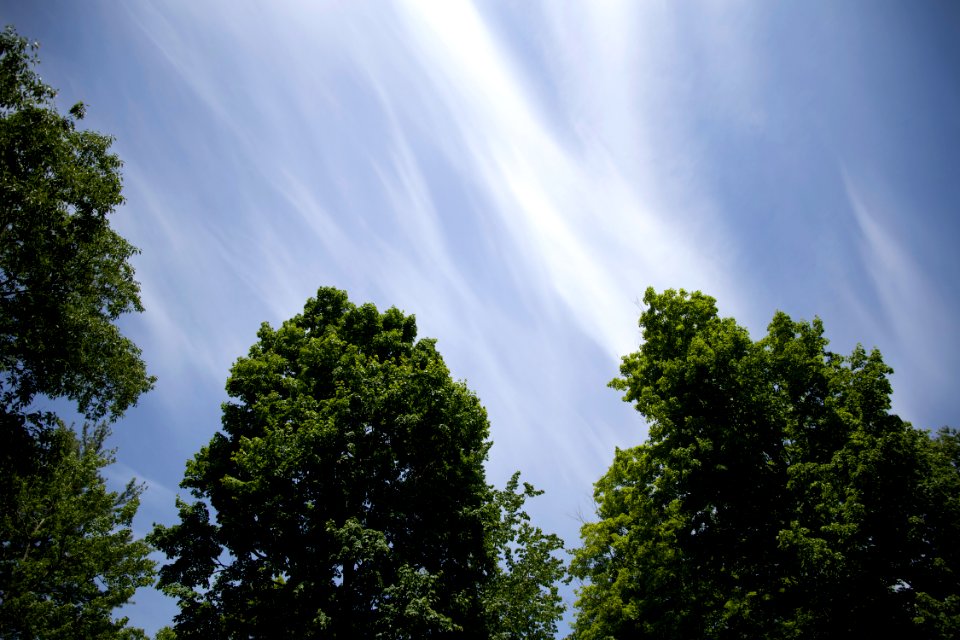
{"x":67,"y":557}
{"x":522,"y":598}
{"x":346,"y":496}
{"x":65,"y":275}
{"x":775,"y":497}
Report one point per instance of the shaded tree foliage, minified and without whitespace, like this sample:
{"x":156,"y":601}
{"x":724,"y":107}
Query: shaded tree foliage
{"x":522,"y":599}
{"x":346,"y":496}
{"x":65,"y":275}
{"x":775,"y":497}
{"x":67,"y":557}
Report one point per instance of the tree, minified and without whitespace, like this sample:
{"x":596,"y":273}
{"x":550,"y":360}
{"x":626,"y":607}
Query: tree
{"x":349,"y":494}
{"x":775,"y":497}
{"x":65,"y":275}
{"x":522,"y":599}
{"x":67,"y":558}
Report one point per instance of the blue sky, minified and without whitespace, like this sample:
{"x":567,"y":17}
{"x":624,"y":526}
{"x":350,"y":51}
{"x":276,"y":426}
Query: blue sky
{"x":516,"y":174}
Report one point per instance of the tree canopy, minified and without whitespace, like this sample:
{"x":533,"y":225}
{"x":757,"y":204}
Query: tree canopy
{"x":69,"y":557}
{"x":67,"y":554}
{"x":346,"y":496}
{"x":775,"y":497}
{"x":65,"y":275}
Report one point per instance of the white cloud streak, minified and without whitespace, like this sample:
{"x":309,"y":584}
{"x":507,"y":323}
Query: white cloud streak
{"x":338,"y":115}
{"x":913,"y":316}
{"x":583,"y":229}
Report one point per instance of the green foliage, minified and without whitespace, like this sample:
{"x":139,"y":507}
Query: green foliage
{"x":165,"y":633}
{"x":522,"y":600}
{"x":349,"y":494}
{"x":68,"y":557}
{"x":65,"y":275}
{"x":776,"y":496}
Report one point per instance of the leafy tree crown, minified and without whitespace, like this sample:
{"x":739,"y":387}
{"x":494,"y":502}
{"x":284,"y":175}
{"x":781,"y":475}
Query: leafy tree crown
{"x":65,"y":274}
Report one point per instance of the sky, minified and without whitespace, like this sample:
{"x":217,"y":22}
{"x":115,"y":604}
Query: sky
{"x":515,"y":175}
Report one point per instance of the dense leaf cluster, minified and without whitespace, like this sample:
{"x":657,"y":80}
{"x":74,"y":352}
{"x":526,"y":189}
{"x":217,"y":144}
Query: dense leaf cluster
{"x":65,"y":275}
{"x":69,"y":558}
{"x":346,"y":497}
{"x":776,"y":496}
{"x":67,"y":553}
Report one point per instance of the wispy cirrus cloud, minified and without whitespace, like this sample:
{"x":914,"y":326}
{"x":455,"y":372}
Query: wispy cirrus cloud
{"x":582,"y":229}
{"x":913,"y":316}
